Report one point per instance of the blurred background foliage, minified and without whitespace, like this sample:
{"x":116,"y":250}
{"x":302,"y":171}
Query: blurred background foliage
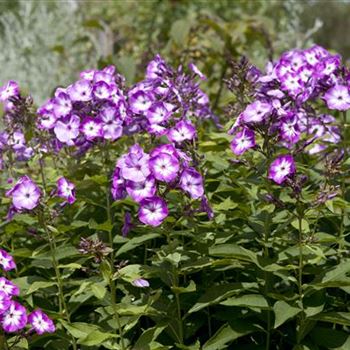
{"x":46,"y":43}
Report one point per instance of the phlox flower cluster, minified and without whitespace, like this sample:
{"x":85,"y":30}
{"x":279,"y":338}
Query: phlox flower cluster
{"x":93,"y":108}
{"x":12,"y":137}
{"x":166,"y":100}
{"x":290,"y":107}
{"x":146,"y":178}
{"x":26,"y":194}
{"x":13,"y":315}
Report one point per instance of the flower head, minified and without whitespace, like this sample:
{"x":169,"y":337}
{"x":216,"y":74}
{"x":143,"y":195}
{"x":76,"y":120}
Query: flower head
{"x":6,"y":261}
{"x":41,"y":323}
{"x":25,"y":194}
{"x":281,"y":168}
{"x":242,"y":141}
{"x":182,"y":131}
{"x":338,"y":98}
{"x":191,"y":181}
{"x":164,"y":167}
{"x":66,"y":190}
{"x":10,"y":89}
{"x":153,"y":211}
{"x":14,"y":318}
{"x":8,"y":287}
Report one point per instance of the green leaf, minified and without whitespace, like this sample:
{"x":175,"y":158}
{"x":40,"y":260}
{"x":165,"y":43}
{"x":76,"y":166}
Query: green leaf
{"x":147,"y":337}
{"x":342,"y":318}
{"x":189,"y":289}
{"x":283,"y":312}
{"x":248,"y":300}
{"x":135,"y":242}
{"x":96,"y":337}
{"x":39,"y":285}
{"x":220,"y":292}
{"x":228,"y":333}
{"x":99,"y":290}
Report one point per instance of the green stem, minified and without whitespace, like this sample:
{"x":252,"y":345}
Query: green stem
{"x":178,"y":306}
{"x":112,"y":283}
{"x":300,"y":272}
{"x":267,"y":281}
{"x":343,"y":191}
{"x":53,"y":248}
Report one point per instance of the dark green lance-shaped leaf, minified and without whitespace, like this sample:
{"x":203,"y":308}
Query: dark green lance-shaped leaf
{"x":248,"y":300}
{"x":135,"y":242}
{"x":232,"y":251}
{"x":330,"y":338}
{"x":99,"y":290}
{"x":228,"y":333}
{"x":190,"y":288}
{"x":40,"y":285}
{"x":147,"y":337}
{"x":342,"y":318}
{"x":96,"y":338}
{"x":283,"y":312}
{"x":218,"y":293}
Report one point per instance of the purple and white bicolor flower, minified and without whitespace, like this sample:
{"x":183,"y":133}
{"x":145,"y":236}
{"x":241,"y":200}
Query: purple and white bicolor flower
{"x":5,"y":302}
{"x":141,"y":190}
{"x":196,"y":71}
{"x":256,"y":112}
{"x":8,"y":287}
{"x":67,"y":132}
{"x":66,"y":190}
{"x":338,"y":98}
{"x":14,"y":318}
{"x":10,"y":89}
{"x":242,"y":141}
{"x":6,"y":261}
{"x":25,"y":194}
{"x":134,"y":165}
{"x":183,"y":130}
{"x":282,"y":168}
{"x":91,"y":128}
{"x":140,"y":102}
{"x":158,"y":113}
{"x":81,"y":90}
{"x":153,"y":211}
{"x":191,"y":181}
{"x":41,"y":323}
{"x":164,"y":167}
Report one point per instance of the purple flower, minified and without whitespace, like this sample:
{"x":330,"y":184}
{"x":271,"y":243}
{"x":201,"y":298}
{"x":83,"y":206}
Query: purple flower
{"x":182,"y":131}
{"x":289,"y":129}
{"x":41,"y":323}
{"x":153,"y":211}
{"x":140,"y":190}
{"x":62,"y":104}
{"x":5,"y":302}
{"x":158,"y":113}
{"x":164,"y":167}
{"x":118,"y":185}
{"x":140,"y":283}
{"x":256,"y":112}
{"x":80,"y":91}
{"x":281,"y":168}
{"x":134,"y":165}
{"x":196,"y":71}
{"x":25,"y":194}
{"x":8,"y":287}
{"x":191,"y":181}
{"x":14,"y":318}
{"x":66,"y":190}
{"x":67,"y":132}
{"x":242,"y":141}
{"x":10,"y":89}
{"x":91,"y":128}
{"x":6,"y":261}
{"x":338,"y":98}
{"x":140,"y":102}
{"x":128,"y":225}
{"x":101,"y":90}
